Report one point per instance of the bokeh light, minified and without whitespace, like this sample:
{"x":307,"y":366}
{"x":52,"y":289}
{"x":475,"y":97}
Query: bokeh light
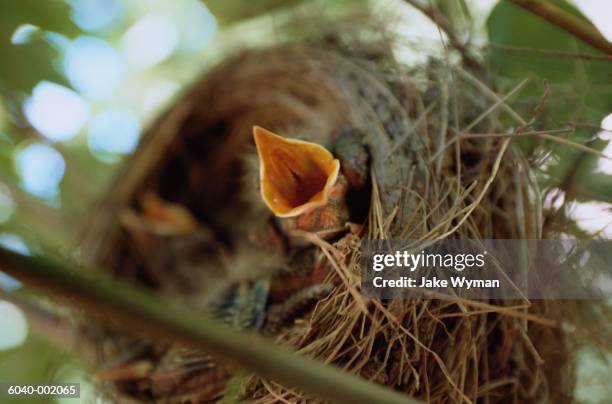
{"x":604,"y":165}
{"x":59,"y":41}
{"x":150,"y":41}
{"x":599,"y":12}
{"x":593,"y":217}
{"x":8,"y":283}
{"x":55,"y":111}
{"x":13,"y":243}
{"x":40,"y":168}
{"x":199,"y":27}
{"x":24,"y":33}
{"x":606,"y":123}
{"x":596,"y":217}
{"x":13,"y":325}
{"x":113,"y":131}
{"x":93,"y":67}
{"x":92,"y":15}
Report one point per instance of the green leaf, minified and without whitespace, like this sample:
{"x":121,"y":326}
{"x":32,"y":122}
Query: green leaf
{"x":580,"y":89}
{"x":596,"y":186}
{"x":24,"y":65}
{"x":511,"y":25}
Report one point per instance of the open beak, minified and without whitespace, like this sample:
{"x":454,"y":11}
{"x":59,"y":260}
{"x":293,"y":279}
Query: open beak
{"x":295,"y":176}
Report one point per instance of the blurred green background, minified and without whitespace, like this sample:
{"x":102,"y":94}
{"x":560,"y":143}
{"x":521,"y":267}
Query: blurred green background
{"x":80,"y":79}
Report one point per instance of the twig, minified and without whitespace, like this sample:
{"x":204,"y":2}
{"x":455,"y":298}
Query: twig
{"x":466,"y":135}
{"x":543,"y":134}
{"x":483,"y":191}
{"x":488,"y":93}
{"x":567,"y":22}
{"x":590,"y":125}
{"x":438,"y":18}
{"x":135,"y":309}
{"x":540,"y":105}
{"x":412,"y":128}
{"x":548,"y":52}
{"x":444,"y":95}
{"x":497,"y":104}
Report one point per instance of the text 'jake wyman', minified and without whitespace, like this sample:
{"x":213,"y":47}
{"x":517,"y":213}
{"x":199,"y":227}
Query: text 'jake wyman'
{"x":413,"y":262}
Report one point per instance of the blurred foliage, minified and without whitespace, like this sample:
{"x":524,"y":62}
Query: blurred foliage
{"x":580,"y":90}
{"x":26,"y":64}
{"x":34,"y":362}
{"x":230,"y":11}
{"x":594,"y":186}
{"x":23,"y":66}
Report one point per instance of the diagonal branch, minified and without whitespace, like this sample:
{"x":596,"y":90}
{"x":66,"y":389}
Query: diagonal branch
{"x":567,"y":22}
{"x":135,"y":309}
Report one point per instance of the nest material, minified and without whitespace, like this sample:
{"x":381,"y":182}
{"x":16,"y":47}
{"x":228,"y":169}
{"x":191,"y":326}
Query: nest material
{"x":425,"y":184}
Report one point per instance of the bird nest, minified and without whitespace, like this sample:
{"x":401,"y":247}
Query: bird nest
{"x":178,"y":220}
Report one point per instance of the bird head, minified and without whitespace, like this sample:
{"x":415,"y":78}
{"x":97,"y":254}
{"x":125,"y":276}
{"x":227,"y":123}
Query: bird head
{"x":300,"y":182}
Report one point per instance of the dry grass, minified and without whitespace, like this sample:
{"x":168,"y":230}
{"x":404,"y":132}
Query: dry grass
{"x":431,"y":178}
{"x":459,"y":187}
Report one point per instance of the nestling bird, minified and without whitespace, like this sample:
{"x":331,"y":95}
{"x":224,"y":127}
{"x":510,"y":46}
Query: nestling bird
{"x":266,"y":280}
{"x":302,"y":183}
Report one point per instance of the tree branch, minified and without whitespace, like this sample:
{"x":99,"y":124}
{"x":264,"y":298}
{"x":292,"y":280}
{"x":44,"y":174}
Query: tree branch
{"x":553,"y":53}
{"x":567,"y":22}
{"x":137,"y":310}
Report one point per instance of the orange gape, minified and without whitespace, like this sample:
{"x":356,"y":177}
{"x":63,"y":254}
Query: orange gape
{"x":295,"y":176}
